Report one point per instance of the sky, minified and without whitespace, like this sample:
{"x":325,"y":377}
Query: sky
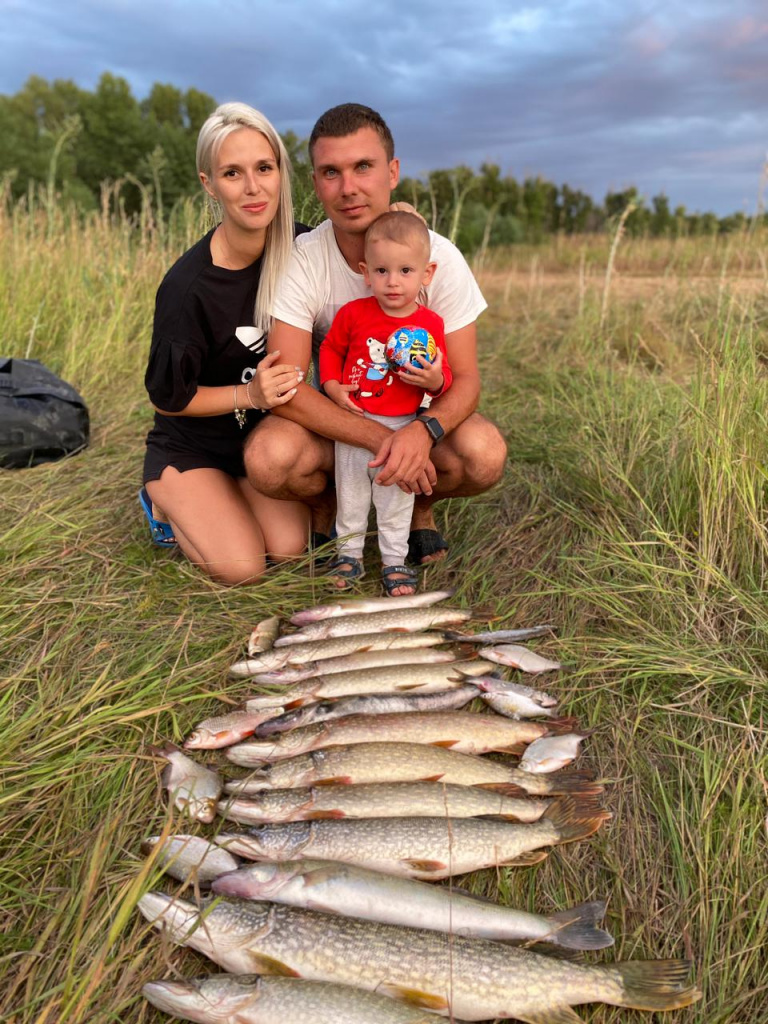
{"x":670,"y":97}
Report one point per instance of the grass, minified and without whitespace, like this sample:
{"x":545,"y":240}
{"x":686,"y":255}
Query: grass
{"x":632,"y":514}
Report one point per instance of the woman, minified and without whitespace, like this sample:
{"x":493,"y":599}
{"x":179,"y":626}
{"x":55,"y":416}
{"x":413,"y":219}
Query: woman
{"x":208,"y":378}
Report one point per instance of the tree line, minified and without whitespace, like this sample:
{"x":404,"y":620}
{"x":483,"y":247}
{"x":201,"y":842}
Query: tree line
{"x":69,"y":140}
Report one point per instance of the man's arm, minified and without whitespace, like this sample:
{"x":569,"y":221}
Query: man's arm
{"x":404,"y":454}
{"x":310,"y":408}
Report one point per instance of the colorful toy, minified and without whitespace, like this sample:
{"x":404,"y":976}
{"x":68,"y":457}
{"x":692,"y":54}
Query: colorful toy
{"x":407,"y":342}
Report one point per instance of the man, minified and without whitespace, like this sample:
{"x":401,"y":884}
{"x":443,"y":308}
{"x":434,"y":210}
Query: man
{"x":450,"y":450}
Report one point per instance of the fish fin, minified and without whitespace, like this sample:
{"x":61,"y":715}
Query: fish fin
{"x":296,"y":702}
{"x":562,"y":726}
{"x":427,"y":866}
{"x":505,"y":788}
{"x":575,"y":819}
{"x":414,"y":996}
{"x":512,"y":748}
{"x":432,"y":778}
{"x":655,"y":984}
{"x":525,"y":860}
{"x":263,"y":964}
{"x":576,"y":928}
{"x":444,"y":743}
{"x":336,"y":780}
{"x":552,"y":1015}
{"x":323,"y":815}
{"x":405,"y":687}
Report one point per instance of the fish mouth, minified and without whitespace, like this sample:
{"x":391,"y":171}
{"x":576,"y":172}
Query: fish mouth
{"x":165,"y":911}
{"x":170,"y":996}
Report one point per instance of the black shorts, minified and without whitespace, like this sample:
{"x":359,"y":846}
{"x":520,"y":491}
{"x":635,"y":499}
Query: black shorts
{"x":157,"y":458}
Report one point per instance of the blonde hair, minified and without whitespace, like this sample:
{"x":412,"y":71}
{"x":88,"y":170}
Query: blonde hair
{"x":228,"y":118}
{"x":402,"y":227}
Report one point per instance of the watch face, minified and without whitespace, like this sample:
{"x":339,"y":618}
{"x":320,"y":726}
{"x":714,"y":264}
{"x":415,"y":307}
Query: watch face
{"x":433,"y":427}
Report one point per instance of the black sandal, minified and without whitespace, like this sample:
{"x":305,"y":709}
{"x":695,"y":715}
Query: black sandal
{"x":354,"y":570}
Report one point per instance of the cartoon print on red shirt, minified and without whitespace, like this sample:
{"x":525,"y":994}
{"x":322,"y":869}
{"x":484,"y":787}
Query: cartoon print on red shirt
{"x":376,"y":370}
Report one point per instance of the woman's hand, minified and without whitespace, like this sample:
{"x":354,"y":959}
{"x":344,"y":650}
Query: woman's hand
{"x":426,"y":375}
{"x":339,"y":393}
{"x":273,"y":383}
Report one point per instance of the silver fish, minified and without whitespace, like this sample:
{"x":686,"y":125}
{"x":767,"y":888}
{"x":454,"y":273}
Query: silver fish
{"x":379,"y":800}
{"x":356,"y":663}
{"x":406,"y":762}
{"x":336,"y":888}
{"x":472,"y":979}
{"x":555,"y":753}
{"x":425,"y":848}
{"x":396,"y":679}
{"x":410,"y":620}
{"x":253,"y":999}
{"x":515,"y":700}
{"x":224,"y":730}
{"x":263,"y":636}
{"x":336,"y":647}
{"x":499,"y":636}
{"x":368,"y":606}
{"x":455,"y":730}
{"x":192,"y":787}
{"x":519,"y":657}
{"x":368,"y":704}
{"x":190,"y":858}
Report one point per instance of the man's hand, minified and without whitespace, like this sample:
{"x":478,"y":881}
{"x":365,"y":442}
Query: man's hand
{"x":405,"y":457}
{"x":339,"y":393}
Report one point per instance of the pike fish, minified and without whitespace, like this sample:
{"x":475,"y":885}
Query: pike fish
{"x":409,"y":620}
{"x":356,"y":663}
{"x":554,"y":753}
{"x":472,"y":979}
{"x":406,"y":762}
{"x":192,"y":787}
{"x":455,"y":730}
{"x":368,"y":606}
{"x":498,"y":636}
{"x":357,"y":892}
{"x":395,"y":679}
{"x":224,"y":730}
{"x":336,"y":647}
{"x":425,"y":848}
{"x":263,"y":636}
{"x":190,"y":858}
{"x":515,"y":700}
{"x":379,"y":800}
{"x":368,"y":704}
{"x":519,"y":657}
{"x":253,"y":999}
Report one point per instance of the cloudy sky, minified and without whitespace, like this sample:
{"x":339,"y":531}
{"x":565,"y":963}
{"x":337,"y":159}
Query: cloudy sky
{"x":670,"y":96}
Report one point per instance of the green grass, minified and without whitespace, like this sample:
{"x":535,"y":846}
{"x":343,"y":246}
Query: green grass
{"x":632,"y":515}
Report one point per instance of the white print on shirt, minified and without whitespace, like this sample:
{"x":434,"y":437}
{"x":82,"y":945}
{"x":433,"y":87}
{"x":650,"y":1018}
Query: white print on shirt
{"x":377,"y":369}
{"x":253,"y":339}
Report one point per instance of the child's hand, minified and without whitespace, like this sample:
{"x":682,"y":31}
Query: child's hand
{"x":426,"y":375}
{"x":339,"y":393}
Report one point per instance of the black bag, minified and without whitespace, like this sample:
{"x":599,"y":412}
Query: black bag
{"x":42,"y":418}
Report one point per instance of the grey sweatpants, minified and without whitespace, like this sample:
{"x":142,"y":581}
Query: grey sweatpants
{"x":355,"y":490}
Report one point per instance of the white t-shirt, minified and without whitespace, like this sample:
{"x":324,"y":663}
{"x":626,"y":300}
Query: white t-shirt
{"x":319,"y":281}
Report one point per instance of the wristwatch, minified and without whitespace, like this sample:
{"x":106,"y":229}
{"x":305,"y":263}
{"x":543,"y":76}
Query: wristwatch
{"x":432,"y":424}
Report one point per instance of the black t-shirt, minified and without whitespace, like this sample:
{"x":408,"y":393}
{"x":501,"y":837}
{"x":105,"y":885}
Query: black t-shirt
{"x":203,"y":335}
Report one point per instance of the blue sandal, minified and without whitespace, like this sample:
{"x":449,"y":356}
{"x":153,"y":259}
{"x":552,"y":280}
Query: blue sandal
{"x":407,"y":577}
{"x":162,"y":533}
{"x":354,"y":570}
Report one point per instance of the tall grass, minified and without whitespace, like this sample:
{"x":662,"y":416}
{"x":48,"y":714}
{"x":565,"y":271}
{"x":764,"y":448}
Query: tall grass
{"x":632,"y":514}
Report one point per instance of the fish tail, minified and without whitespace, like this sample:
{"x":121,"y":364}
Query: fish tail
{"x":579,"y":780}
{"x":576,"y":819}
{"x":561,"y":726}
{"x":654,"y":984}
{"x":576,"y":928}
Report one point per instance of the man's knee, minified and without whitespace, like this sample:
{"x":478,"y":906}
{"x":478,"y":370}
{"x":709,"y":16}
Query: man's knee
{"x":482,"y":451}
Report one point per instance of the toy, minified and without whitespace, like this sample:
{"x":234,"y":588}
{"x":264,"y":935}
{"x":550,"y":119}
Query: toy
{"x":407,"y":342}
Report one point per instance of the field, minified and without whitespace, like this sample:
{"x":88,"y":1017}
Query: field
{"x":631,"y":385}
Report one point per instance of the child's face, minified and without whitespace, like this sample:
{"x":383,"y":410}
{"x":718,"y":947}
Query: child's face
{"x":396,"y":273}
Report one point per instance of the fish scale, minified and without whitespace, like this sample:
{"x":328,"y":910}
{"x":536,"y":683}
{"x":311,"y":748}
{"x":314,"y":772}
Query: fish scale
{"x":473,"y":979}
{"x":410,"y":620}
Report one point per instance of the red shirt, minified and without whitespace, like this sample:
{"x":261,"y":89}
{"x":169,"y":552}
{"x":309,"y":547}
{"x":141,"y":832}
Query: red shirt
{"x":353,"y":353}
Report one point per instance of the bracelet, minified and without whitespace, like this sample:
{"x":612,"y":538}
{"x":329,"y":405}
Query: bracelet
{"x":248,"y":394}
{"x":239,"y":413}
